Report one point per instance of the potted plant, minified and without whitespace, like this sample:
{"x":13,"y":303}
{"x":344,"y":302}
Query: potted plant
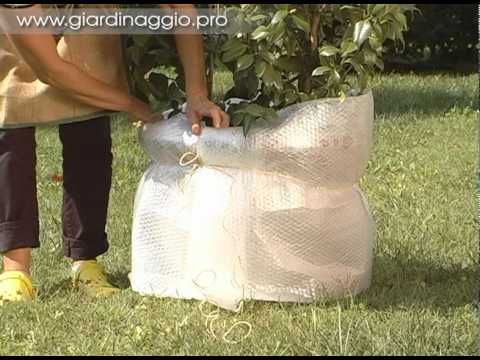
{"x":268,"y":209}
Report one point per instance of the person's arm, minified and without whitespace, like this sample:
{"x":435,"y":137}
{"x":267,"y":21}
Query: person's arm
{"x":39,"y":51}
{"x":190,"y":50}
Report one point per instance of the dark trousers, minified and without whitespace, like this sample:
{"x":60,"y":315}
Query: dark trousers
{"x":87,"y":174}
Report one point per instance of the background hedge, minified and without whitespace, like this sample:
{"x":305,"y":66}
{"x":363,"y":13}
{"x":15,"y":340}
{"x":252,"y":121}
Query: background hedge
{"x":443,"y":37}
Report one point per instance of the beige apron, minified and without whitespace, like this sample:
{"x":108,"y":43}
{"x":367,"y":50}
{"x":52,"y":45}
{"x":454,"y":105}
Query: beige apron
{"x":26,"y":101}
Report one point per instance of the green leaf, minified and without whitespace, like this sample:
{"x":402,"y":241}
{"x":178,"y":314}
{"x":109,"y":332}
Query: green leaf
{"x":159,"y":85}
{"x":161,"y":106}
{"x":272,"y":77}
{"x":336,"y":76}
{"x":234,"y":53}
{"x":391,"y":31}
{"x":246,"y":84}
{"x":328,"y":50}
{"x":245,"y":62}
{"x":277,"y":80}
{"x":358,"y":67}
{"x":321,"y":70}
{"x":142,"y":89}
{"x":260,"y":33}
{"x":279,"y":16}
{"x":247,"y":124}
{"x":379,"y":64}
{"x":268,"y":56}
{"x":238,"y":119}
{"x":231,"y":44}
{"x":301,"y":23}
{"x":174,"y":93}
{"x":278,"y":33}
{"x":409,"y":7}
{"x":363,"y":81}
{"x":251,"y":109}
{"x":291,"y":64}
{"x":374,"y":42}
{"x":401,"y":39}
{"x":349,"y":7}
{"x":158,"y":80}
{"x":290,"y":97}
{"x":260,"y":67}
{"x":361,"y":32}
{"x":258,"y":18}
{"x":370,"y":57}
{"x":348,"y":47}
{"x":305,"y":97}
{"x":378,"y":32}
{"x":378,"y":10}
{"x":256,"y":110}
{"x":402,"y":19}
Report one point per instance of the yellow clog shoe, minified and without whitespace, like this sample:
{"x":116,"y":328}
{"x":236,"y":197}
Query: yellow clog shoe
{"x":90,"y":277}
{"x":15,"y":286}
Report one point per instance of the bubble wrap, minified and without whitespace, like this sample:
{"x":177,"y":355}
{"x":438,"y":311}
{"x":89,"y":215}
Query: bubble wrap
{"x":274,"y":216}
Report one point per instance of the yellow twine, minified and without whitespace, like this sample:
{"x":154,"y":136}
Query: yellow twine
{"x":194,"y":161}
{"x":238,"y":323}
{"x":212,"y":317}
{"x":191,"y":161}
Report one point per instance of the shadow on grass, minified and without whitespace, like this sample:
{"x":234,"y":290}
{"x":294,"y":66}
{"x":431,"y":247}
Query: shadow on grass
{"x":120,"y":279}
{"x":59,"y":289}
{"x":64,"y":287}
{"x":402,"y":285}
{"x":398,"y":284}
{"x":394,"y":100}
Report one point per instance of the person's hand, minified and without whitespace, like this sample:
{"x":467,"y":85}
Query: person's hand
{"x":199,"y":106}
{"x":142,"y":112}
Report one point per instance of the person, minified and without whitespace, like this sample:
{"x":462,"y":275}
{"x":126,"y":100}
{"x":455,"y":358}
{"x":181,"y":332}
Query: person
{"x":77,"y":82}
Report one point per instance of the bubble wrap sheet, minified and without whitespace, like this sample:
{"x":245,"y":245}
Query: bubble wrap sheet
{"x":274,"y":216}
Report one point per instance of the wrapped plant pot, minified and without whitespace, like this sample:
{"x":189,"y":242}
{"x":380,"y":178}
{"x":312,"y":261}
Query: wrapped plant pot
{"x":275,"y":215}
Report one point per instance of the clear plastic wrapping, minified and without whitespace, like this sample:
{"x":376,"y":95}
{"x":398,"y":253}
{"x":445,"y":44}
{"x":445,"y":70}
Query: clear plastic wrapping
{"x":276,"y":215}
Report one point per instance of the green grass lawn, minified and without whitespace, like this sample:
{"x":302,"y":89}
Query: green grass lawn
{"x":420,"y":184}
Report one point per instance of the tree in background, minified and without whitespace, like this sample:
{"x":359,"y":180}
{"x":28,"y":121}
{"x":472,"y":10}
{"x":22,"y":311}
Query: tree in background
{"x":443,"y":37}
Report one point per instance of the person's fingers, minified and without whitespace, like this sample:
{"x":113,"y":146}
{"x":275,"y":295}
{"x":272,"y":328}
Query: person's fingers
{"x":225,"y":119}
{"x":214,"y":113}
{"x":195,"y":120}
{"x":153,"y":117}
{"x":157,"y":117}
